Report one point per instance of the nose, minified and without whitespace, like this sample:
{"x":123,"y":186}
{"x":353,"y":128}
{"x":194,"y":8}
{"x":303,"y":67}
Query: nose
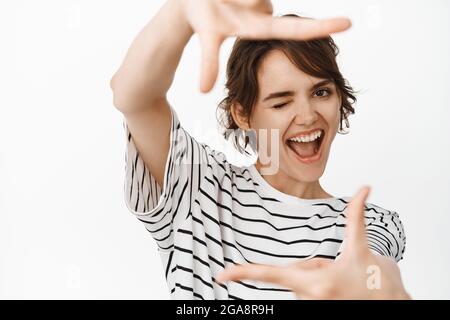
{"x":306,"y":114}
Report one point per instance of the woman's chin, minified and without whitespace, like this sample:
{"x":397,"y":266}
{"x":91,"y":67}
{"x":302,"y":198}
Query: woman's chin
{"x":308,"y":174}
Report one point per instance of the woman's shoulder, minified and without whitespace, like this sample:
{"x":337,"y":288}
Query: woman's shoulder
{"x":221,"y":159}
{"x":380,"y":211}
{"x":385,"y":230}
{"x":368,"y":207}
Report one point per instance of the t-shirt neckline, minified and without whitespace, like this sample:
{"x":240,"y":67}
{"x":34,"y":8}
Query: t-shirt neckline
{"x":283,"y":197}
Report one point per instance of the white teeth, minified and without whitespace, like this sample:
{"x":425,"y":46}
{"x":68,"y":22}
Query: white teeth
{"x":307,"y":138}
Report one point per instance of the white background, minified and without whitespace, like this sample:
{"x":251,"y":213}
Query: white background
{"x":64,"y":229}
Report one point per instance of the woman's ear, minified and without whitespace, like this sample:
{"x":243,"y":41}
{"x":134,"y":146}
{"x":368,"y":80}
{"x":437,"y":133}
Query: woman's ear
{"x":237,"y":112}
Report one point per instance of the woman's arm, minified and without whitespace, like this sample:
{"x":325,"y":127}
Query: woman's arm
{"x":148,"y":69}
{"x":142,"y":81}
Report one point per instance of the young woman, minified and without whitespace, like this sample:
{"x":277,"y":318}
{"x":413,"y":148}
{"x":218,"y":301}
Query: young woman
{"x":207,"y":214}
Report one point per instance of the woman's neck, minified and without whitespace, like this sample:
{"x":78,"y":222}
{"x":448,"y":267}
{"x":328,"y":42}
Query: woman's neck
{"x":288,"y":185}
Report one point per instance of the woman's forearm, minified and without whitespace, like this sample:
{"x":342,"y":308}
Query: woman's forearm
{"x":148,"y":69}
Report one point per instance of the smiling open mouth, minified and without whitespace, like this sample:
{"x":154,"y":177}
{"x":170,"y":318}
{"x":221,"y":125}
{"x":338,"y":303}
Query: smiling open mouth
{"x":307,"y":147}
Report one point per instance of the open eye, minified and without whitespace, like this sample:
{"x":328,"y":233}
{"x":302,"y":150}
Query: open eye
{"x":324,"y":92}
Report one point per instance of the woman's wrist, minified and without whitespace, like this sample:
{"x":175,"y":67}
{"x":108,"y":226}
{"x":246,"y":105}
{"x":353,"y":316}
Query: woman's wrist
{"x":403,"y":296}
{"x":390,"y":294}
{"x":178,"y":8}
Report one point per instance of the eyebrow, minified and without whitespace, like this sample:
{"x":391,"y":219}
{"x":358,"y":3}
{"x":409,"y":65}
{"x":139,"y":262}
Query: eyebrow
{"x":281,"y":94}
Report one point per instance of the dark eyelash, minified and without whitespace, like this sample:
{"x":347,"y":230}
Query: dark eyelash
{"x":327,"y":90}
{"x":279,"y":106}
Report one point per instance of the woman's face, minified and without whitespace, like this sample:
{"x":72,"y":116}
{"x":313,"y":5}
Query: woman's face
{"x":310,"y":110}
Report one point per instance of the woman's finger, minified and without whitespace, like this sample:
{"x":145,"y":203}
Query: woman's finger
{"x":303,"y":282}
{"x":294,"y":28}
{"x":312,"y":263}
{"x":355,"y":230}
{"x":210,"y":49}
{"x":261,"y":5}
{"x":266,"y":273}
{"x":296,"y":279}
{"x":245,"y":3}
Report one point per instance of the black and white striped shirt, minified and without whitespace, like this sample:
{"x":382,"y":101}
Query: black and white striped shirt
{"x":211,"y":214}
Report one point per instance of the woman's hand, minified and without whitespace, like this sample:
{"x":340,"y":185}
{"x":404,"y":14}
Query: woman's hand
{"x":215,"y":20}
{"x":356,"y":274}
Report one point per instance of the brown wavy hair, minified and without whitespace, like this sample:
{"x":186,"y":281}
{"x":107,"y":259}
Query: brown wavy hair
{"x":314,"y":57}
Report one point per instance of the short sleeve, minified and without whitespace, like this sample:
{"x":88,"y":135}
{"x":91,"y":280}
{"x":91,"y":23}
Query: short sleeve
{"x":163,"y":210}
{"x":386,"y":235}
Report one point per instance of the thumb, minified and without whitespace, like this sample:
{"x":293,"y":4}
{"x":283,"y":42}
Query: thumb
{"x":210,"y":46}
{"x":355,"y":231}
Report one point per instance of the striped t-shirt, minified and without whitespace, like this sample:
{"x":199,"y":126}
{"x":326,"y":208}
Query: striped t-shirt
{"x":211,"y":214}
